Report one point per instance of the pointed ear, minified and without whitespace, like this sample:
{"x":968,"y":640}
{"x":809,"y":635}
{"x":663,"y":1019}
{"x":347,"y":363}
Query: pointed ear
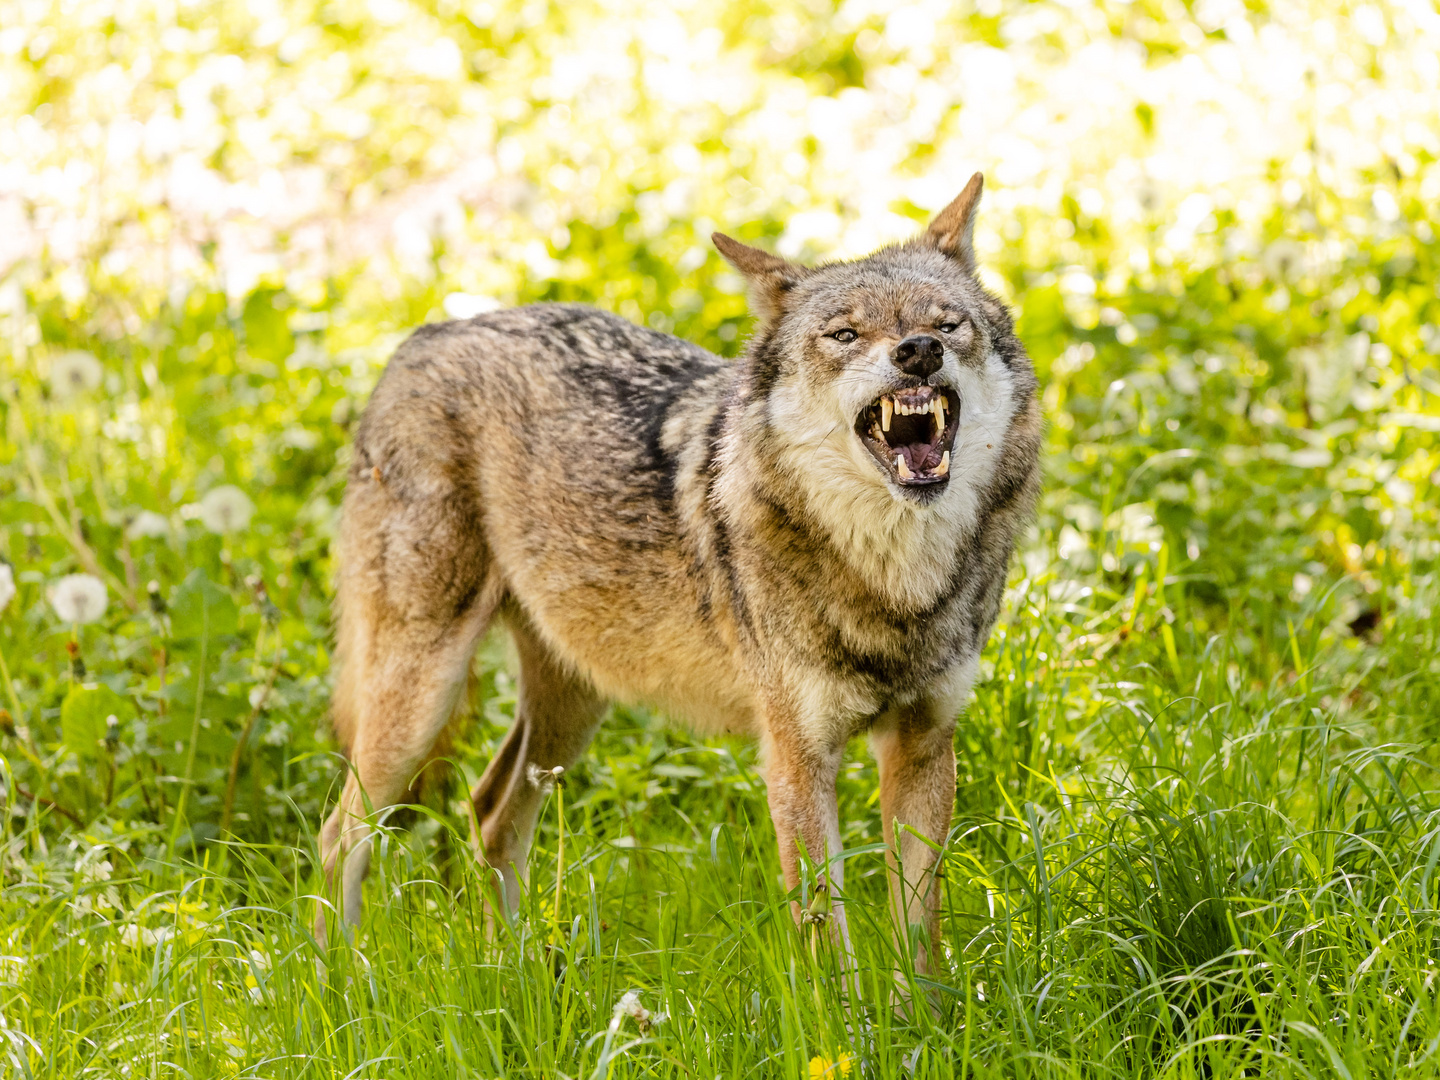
{"x":770,"y":276}
{"x":953,"y":230}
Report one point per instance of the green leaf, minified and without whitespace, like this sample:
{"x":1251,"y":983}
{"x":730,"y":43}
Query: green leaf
{"x":84,"y":717}
{"x":202,"y":609}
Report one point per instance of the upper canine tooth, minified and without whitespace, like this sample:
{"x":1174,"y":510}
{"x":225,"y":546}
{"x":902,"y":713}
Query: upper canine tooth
{"x":902,"y":468}
{"x":943,"y":469}
{"x":887,"y":406}
{"x":939,"y":408}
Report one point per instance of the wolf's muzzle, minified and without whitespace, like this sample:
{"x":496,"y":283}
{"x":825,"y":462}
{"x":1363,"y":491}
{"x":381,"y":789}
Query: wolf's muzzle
{"x":920,"y":355}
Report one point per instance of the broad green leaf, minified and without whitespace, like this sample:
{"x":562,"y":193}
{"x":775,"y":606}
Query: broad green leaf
{"x":201,"y":608}
{"x":84,"y":717}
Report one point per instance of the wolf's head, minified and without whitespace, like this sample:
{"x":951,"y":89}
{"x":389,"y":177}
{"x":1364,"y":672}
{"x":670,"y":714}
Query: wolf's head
{"x":896,"y":373}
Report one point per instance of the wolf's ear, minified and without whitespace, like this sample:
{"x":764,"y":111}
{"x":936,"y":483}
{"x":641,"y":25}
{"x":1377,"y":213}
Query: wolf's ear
{"x":770,"y":276}
{"x":953,"y":230}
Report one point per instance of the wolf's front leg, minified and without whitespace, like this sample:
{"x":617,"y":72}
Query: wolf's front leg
{"x":800,"y":781}
{"x":915,"y":750}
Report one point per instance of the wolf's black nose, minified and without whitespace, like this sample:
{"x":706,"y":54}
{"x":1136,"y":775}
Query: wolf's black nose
{"x":920,"y":355}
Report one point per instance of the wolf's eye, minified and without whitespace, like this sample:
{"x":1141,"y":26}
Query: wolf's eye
{"x":948,"y":327}
{"x":844,"y":336}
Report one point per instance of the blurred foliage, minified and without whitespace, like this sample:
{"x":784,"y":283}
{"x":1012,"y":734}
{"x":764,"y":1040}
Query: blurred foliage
{"x":238,"y":211}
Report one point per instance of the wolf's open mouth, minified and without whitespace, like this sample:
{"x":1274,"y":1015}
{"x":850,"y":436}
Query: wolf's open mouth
{"x":911,"y":433}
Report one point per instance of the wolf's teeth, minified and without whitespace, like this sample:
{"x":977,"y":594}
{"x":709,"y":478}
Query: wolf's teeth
{"x":943,"y":469}
{"x":939,"y":410}
{"x":887,"y":407}
{"x":902,"y":468}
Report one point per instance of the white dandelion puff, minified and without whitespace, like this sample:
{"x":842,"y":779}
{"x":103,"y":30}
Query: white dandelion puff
{"x":136,"y":936}
{"x":79,"y":598}
{"x":226,"y":509}
{"x":7,"y":585}
{"x":74,"y":373}
{"x":629,"y":1005}
{"x":148,"y":524}
{"x":545,"y":779}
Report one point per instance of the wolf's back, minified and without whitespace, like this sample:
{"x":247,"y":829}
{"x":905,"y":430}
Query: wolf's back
{"x":555,"y":450}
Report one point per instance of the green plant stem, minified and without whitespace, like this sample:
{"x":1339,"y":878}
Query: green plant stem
{"x":239,"y":750}
{"x":15,"y":710}
{"x":50,"y":804}
{"x":556,"y":939}
{"x":82,"y":550}
{"x":32,"y":754}
{"x":194,"y":735}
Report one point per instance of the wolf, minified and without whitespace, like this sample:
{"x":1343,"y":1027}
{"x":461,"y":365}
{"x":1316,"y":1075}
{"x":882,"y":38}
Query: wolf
{"x":803,"y":545}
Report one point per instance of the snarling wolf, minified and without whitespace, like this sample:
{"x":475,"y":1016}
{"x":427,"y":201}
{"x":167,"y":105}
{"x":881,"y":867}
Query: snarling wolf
{"x":802,"y":545}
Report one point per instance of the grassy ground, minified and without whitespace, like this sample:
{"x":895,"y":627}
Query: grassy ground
{"x":1164,"y":863}
{"x":1197,"y":829}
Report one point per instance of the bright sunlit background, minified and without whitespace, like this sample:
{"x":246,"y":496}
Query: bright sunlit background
{"x":1196,"y":800}
{"x":161,"y":149}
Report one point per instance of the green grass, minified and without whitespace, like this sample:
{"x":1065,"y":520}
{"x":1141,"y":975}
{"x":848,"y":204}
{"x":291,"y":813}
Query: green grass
{"x":1197,"y":827}
{"x":1196,"y":831}
{"x":1236,"y":879}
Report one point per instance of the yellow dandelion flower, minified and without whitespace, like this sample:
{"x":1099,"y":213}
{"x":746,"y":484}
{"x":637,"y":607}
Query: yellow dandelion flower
{"x":825,"y":1069}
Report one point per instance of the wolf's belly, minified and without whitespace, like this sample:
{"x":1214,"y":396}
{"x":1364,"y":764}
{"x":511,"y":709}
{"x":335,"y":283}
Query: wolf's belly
{"x":642,"y":645}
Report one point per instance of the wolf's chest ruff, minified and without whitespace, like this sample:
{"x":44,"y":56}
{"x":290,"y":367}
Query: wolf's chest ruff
{"x":803,"y":543}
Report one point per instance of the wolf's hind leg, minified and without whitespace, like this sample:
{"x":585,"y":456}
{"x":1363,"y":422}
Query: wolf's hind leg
{"x":409,"y":694}
{"x":410,"y":616}
{"x":555,"y":719}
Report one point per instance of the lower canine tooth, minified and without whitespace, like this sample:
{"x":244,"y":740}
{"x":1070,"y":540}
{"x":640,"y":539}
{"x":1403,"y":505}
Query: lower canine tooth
{"x":943,"y":469}
{"x":902,"y":468}
{"x":887,"y":407}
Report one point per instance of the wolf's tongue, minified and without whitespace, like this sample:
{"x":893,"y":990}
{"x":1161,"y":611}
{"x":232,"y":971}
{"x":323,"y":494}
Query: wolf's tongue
{"x":920,"y":457}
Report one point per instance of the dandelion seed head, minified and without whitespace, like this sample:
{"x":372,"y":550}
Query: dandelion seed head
{"x":7,"y":585}
{"x":136,"y":936}
{"x":629,"y":1005}
{"x":226,"y":509}
{"x":148,"y":524}
{"x":75,"y":373}
{"x":79,"y":598}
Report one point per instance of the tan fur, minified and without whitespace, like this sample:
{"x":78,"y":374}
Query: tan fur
{"x":657,"y":525}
